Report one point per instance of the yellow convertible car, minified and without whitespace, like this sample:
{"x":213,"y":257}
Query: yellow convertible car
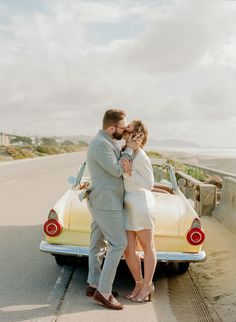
{"x":178,"y":233}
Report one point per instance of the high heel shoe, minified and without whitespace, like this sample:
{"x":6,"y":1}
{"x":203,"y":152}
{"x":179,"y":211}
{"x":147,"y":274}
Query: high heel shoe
{"x":145,"y":294}
{"x":131,"y":295}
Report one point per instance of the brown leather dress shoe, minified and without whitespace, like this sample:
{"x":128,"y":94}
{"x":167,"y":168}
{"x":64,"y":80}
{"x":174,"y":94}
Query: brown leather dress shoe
{"x":90,"y":291}
{"x":112,"y":303}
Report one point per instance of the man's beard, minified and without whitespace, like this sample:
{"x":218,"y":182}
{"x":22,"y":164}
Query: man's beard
{"x":117,"y":135}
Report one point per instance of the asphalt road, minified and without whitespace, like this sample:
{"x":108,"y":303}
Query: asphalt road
{"x":28,"y":190}
{"x":34,"y":288}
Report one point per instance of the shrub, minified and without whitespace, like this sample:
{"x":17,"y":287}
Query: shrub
{"x":46,"y":149}
{"x":26,"y":153}
{"x":154,"y":154}
{"x":195,"y":173}
{"x":68,"y":149}
{"x":14,"y":153}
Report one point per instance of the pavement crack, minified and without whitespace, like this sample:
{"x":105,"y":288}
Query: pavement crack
{"x":70,"y":272}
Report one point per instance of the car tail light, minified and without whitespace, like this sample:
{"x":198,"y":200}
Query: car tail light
{"x":195,"y":236}
{"x":52,"y":227}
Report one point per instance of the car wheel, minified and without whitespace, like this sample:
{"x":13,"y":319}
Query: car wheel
{"x":178,"y":267}
{"x":62,"y":260}
{"x":183,"y":267}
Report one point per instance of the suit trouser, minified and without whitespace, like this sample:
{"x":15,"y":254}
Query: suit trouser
{"x":106,"y":226}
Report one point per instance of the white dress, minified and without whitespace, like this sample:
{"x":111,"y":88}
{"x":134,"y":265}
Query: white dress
{"x":139,"y":202}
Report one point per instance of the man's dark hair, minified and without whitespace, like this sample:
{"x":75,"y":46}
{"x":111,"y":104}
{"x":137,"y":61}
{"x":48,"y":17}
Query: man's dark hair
{"x":112,"y":117}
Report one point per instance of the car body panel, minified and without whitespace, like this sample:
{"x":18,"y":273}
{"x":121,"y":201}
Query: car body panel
{"x":174,"y":217}
{"x":63,"y":208}
{"x":167,"y":233}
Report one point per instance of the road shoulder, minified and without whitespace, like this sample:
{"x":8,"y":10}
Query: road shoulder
{"x":216,"y":277}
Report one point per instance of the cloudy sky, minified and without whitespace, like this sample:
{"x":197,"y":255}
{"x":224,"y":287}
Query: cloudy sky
{"x":171,"y":63}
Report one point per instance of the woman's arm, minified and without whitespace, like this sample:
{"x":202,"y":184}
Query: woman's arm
{"x":141,"y":173}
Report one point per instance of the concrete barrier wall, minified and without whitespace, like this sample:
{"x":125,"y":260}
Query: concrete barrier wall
{"x":225,"y":212}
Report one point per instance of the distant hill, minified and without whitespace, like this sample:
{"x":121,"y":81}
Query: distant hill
{"x":168,"y":143}
{"x":171,"y":143}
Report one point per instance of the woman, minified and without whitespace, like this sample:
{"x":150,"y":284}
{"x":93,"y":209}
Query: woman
{"x":140,"y":217}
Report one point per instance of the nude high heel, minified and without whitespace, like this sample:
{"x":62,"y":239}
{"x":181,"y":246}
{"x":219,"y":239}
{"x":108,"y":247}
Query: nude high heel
{"x":131,"y":295}
{"x":146,"y":296}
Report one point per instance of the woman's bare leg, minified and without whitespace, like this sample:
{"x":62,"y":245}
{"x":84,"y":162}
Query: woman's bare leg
{"x":146,"y":239}
{"x":133,"y":261}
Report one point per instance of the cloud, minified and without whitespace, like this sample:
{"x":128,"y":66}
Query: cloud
{"x":217,"y":101}
{"x":170,"y":63}
{"x":182,"y":36}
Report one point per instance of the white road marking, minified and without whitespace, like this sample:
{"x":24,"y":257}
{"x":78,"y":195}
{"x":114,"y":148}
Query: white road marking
{"x":10,"y":181}
{"x":23,"y":307}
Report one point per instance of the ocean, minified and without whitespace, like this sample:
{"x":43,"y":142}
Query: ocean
{"x":214,"y":152}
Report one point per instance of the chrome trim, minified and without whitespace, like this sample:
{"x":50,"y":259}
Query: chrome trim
{"x":179,"y":256}
{"x":79,"y":175}
{"x":173,"y":177}
{"x":84,"y":251}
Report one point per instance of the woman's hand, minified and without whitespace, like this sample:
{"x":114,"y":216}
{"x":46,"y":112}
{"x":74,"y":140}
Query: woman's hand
{"x":127,"y":165}
{"x":135,"y":142}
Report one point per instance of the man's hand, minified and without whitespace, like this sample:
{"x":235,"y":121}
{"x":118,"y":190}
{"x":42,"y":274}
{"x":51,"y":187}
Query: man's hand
{"x":126,"y":164}
{"x":135,"y":142}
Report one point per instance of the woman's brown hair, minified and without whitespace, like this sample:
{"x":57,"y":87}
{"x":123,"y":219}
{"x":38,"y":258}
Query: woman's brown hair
{"x":139,"y":127}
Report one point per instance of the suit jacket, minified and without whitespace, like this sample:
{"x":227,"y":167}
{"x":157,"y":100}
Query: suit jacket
{"x":107,"y":190}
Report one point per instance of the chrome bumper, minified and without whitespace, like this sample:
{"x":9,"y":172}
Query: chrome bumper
{"x":63,"y":249}
{"x":84,"y":251}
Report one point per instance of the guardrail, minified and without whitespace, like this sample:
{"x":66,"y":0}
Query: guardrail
{"x":203,"y":195}
{"x":225,"y":210}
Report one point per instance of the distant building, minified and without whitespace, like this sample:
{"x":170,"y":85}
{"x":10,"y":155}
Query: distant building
{"x":19,"y":143}
{"x":34,"y":140}
{"x":4,"y":139}
{"x":59,"y":140}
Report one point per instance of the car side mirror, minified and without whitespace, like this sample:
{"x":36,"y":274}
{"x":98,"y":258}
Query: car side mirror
{"x":182,"y":182}
{"x":72,"y":180}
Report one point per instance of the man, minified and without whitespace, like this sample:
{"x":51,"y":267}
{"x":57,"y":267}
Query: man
{"x":106,"y":206}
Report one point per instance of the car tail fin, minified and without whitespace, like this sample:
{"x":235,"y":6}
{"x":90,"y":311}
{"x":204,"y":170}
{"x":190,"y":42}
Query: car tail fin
{"x":196,"y":223}
{"x":52,"y":215}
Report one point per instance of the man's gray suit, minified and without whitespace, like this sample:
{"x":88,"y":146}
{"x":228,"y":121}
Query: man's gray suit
{"x":106,"y":207}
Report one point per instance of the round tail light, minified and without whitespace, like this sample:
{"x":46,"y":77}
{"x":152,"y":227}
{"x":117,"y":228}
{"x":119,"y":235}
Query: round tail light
{"x":195,"y":236}
{"x":52,"y":227}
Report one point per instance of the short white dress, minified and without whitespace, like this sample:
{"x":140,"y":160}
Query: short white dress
{"x":139,"y":202}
